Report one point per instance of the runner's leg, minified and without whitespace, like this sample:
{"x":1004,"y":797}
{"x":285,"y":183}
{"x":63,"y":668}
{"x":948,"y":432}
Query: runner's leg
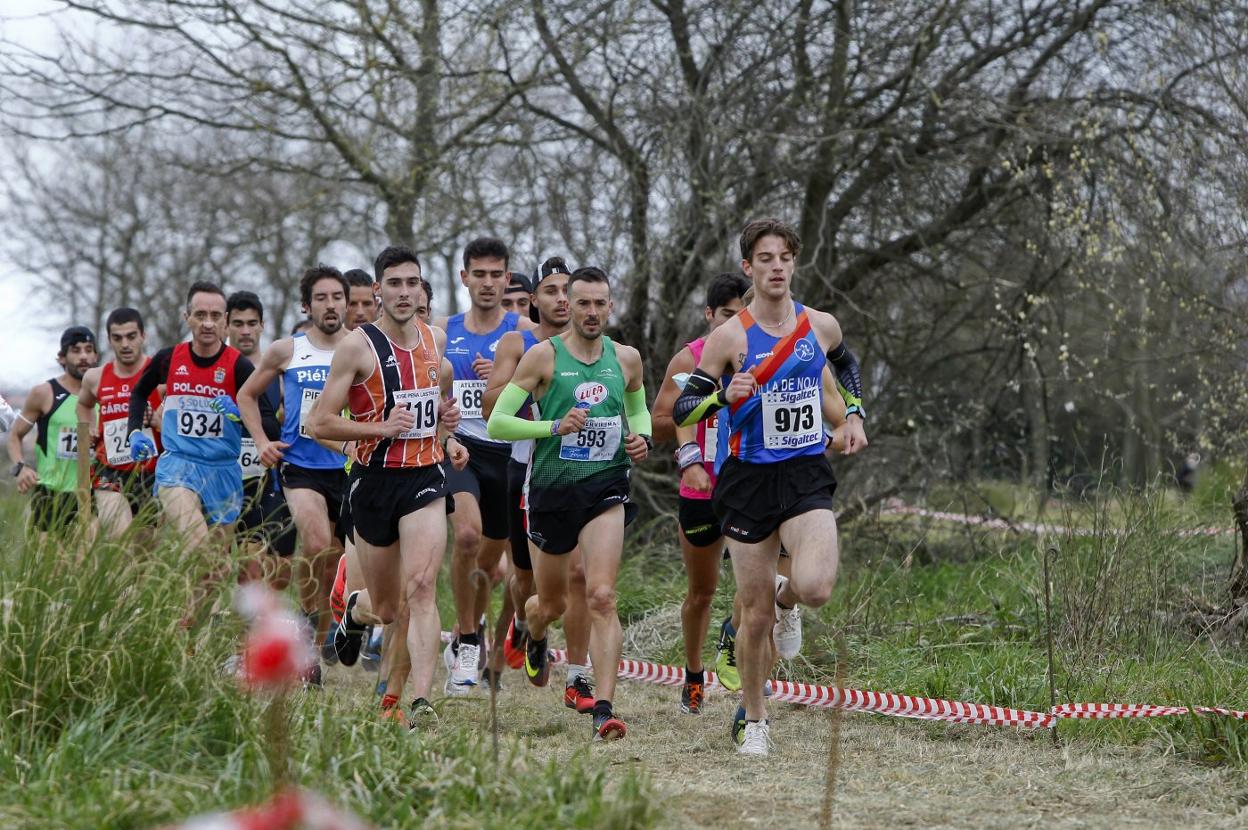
{"x":601,"y":544}
{"x":422,"y":544}
{"x":755,"y":569}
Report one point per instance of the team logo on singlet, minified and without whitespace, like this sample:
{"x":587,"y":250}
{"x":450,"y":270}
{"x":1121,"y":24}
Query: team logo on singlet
{"x":591,"y":393}
{"x":433,"y":375}
{"x":803,"y":350}
{"x":219,"y":375}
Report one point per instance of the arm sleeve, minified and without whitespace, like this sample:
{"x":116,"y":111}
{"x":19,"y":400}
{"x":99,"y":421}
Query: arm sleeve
{"x":847,"y":373}
{"x":152,"y":376}
{"x":635,"y":409}
{"x":268,"y":415}
{"x":698,"y":400}
{"x":505,"y":426}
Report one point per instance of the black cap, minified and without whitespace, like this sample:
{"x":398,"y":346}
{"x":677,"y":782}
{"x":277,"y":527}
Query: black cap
{"x":554,"y":265}
{"x":520,"y":281}
{"x":74,"y":335}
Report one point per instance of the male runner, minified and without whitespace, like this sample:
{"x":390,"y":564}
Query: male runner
{"x":198,"y":478}
{"x":392,"y":375}
{"x":480,"y":490}
{"x":50,"y":407}
{"x":362,"y":301}
{"x":265,"y":522}
{"x":313,"y":477}
{"x":775,"y":486}
{"x":550,"y":301}
{"x":122,"y":486}
{"x":579,"y":474}
{"x":518,"y":296}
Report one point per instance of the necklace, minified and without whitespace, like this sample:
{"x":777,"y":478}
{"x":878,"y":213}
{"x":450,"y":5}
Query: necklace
{"x":792,"y":306}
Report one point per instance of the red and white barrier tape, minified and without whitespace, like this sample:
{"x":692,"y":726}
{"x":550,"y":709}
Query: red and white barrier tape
{"x":1038,"y":528}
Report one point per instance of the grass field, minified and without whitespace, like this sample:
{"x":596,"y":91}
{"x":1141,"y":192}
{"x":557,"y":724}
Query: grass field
{"x":114,"y":719}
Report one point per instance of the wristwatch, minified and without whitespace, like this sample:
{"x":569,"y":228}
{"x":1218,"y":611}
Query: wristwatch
{"x":17,"y":468}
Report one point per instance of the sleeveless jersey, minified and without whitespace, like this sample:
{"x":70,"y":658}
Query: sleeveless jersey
{"x":563,"y":466}
{"x":707,"y":434}
{"x":190,"y":429}
{"x":113,"y":394}
{"x":400,"y":377}
{"x":249,"y":453}
{"x":462,"y":347}
{"x":56,"y":443}
{"x":783,"y":419}
{"x":303,"y":380}
{"x":522,"y":451}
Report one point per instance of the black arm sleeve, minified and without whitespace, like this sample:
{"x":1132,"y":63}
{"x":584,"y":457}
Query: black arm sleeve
{"x":847,"y":371}
{"x":692,"y":405}
{"x":153,"y":376}
{"x":269,"y":403}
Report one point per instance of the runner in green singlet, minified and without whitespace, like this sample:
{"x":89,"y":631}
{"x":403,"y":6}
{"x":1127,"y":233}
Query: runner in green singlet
{"x":578,"y":487}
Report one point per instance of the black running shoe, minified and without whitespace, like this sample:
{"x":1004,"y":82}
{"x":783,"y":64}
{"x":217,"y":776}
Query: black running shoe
{"x":537,"y":662}
{"x":608,"y":727}
{"x":349,"y":635}
{"x":691,"y":699}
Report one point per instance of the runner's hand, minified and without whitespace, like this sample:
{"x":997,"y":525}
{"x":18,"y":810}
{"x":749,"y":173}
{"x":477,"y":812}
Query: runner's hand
{"x":636,"y":448}
{"x":742,"y":386}
{"x":142,"y":447}
{"x":151,"y":417}
{"x":458,"y":453}
{"x":448,"y":414}
{"x":574,"y":421}
{"x":271,"y":452}
{"x":401,"y":420}
{"x":482,"y":366}
{"x":26,"y":479}
{"x":225,"y":405}
{"x":695,"y":478}
{"x":855,"y":436}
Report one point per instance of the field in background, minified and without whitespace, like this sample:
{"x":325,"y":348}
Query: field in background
{"x":114,"y":719}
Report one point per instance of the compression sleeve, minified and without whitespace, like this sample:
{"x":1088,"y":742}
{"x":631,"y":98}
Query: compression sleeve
{"x":697,"y":400}
{"x":847,"y":373}
{"x":152,"y":376}
{"x":636,"y":411}
{"x":505,"y":426}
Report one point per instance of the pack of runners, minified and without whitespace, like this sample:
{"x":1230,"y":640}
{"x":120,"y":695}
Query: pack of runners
{"x":359,"y":440}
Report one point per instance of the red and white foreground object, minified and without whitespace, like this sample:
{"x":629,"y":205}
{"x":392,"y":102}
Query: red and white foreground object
{"x":290,"y":810}
{"x":278,"y":651}
{"x":897,"y":508}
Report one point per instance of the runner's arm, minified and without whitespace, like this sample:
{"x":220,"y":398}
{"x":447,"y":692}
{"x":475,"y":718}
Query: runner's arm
{"x":503,"y":424}
{"x":152,"y":377}
{"x":251,"y":397}
{"x":32,"y":410}
{"x":326,"y":419}
{"x":510,"y":350}
{"x":635,"y":410}
{"x":665,"y":428}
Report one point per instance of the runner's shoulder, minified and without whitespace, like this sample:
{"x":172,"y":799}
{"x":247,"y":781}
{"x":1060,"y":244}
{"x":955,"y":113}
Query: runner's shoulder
{"x":825,"y":326}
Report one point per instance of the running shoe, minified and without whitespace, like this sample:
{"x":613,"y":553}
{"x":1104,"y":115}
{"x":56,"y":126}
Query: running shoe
{"x":608,"y":727}
{"x":422,"y":714}
{"x":726,"y":658}
{"x":755,"y":739}
{"x":788,"y":629}
{"x":328,"y":653}
{"x":337,"y":595}
{"x":691,"y":699}
{"x":537,"y":662}
{"x":349,"y":635}
{"x":513,"y":646}
{"x":370,"y":656}
{"x":449,"y":654}
{"x":394,"y":714}
{"x":311,"y":678}
{"x":492,"y":679}
{"x":464,"y":675}
{"x":579,"y":695}
{"x":738,"y":726}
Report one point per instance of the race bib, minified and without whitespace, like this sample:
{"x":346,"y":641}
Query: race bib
{"x":195,"y":418}
{"x":791,"y":419}
{"x":712,"y":439}
{"x":598,"y":440}
{"x":305,"y":409}
{"x":423,"y":403}
{"x":470,"y":395}
{"x":67,"y":443}
{"x":117,"y":442}
{"x":249,"y":459}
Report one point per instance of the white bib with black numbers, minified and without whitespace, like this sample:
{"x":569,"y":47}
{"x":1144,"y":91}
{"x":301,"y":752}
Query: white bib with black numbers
{"x":791,"y":419}
{"x":598,"y":440}
{"x":117,"y":442}
{"x":470,"y":395}
{"x":423,"y":403}
{"x":67,"y":443}
{"x":249,"y":459}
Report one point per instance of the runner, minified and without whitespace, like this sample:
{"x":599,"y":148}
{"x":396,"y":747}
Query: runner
{"x":480,"y":490}
{"x":578,"y":485}
{"x":50,"y":408}
{"x":518,"y":296}
{"x":265,"y":524}
{"x":775,"y":485}
{"x":362,"y":301}
{"x":198,"y":478}
{"x":392,"y":374}
{"x":550,"y":303}
{"x":313,"y":477}
{"x":122,"y":486}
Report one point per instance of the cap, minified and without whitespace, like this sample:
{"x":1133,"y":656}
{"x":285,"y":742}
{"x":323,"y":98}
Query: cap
{"x":520,"y":282}
{"x":554,"y":265}
{"x":74,"y":335}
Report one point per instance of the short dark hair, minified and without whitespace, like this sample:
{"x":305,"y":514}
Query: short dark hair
{"x":725,"y":288}
{"x":302,"y":325}
{"x":244,"y":301}
{"x":121,"y":316}
{"x":758,"y":228}
{"x":486,"y":247}
{"x":202,"y":287}
{"x":359,"y":278}
{"x":315,"y":274}
{"x":391,"y":256}
{"x":424,"y":283}
{"x":588,"y":273}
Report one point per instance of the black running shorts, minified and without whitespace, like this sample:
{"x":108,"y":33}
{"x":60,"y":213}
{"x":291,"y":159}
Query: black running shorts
{"x":752,"y":500}
{"x":51,"y":511}
{"x":485,"y":477}
{"x":380,"y":497}
{"x":559,"y":531}
{"x":698,"y":522}
{"x":265,"y":517}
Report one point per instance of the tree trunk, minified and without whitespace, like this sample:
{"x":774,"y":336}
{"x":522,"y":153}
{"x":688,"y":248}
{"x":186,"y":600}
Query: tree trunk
{"x":1239,"y":571}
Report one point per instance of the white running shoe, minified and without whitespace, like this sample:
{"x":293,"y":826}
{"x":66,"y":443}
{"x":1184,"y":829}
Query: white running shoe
{"x":757,"y":739}
{"x":788,"y":629}
{"x":465,"y":674}
{"x":448,"y":657}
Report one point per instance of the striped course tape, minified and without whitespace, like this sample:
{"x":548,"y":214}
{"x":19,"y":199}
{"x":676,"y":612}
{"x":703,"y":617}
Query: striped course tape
{"x":910,"y":706}
{"x":1039,"y":528}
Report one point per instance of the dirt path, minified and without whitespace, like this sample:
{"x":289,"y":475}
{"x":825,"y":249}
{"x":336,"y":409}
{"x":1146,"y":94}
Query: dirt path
{"x":893,"y":774}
